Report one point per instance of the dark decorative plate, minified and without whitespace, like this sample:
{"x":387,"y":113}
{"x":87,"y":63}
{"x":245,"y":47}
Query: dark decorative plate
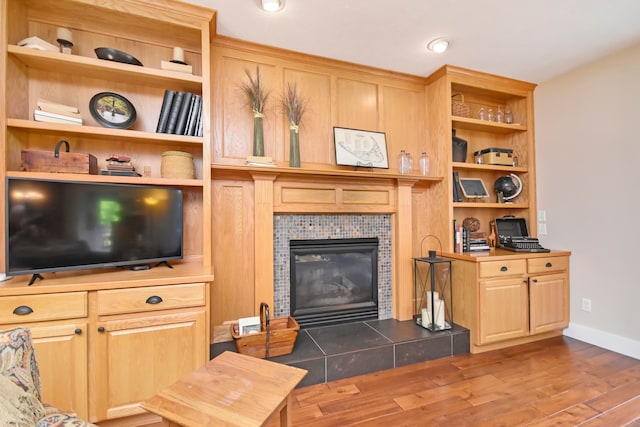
{"x":116,"y":55}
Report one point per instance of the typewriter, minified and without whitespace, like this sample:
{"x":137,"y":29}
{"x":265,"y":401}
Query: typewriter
{"x":513,"y":235}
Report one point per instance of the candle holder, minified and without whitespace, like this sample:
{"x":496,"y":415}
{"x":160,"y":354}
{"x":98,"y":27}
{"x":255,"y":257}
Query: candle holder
{"x":433,"y":302}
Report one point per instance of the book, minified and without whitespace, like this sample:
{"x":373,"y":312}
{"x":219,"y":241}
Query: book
{"x":176,"y":105}
{"x":457,"y":194}
{"x":35,"y":42}
{"x":118,"y":173}
{"x":76,"y":116}
{"x":165,"y":110}
{"x":45,"y":116}
{"x":174,"y":66}
{"x":184,"y":113}
{"x":54,"y":107}
{"x":259,"y":159}
{"x":193,"y":116}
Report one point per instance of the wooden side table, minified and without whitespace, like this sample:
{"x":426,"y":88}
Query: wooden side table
{"x":231,"y":390}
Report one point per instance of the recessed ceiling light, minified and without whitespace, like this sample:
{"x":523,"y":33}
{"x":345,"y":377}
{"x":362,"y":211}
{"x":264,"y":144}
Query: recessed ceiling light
{"x":271,"y":5}
{"x":438,"y":45}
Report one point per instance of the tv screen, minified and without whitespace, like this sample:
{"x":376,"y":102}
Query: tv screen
{"x":56,"y":225}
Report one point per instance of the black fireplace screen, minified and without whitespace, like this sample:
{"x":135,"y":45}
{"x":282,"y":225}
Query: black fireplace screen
{"x":334,"y":280}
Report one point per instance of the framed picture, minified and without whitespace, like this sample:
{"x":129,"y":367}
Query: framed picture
{"x":356,"y":147}
{"x":473,"y":188}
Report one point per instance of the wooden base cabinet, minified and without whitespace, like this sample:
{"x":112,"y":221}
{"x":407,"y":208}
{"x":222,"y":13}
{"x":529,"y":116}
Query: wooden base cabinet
{"x":506,"y":298}
{"x":58,"y":324}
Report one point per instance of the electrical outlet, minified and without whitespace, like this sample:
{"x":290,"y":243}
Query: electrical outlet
{"x":586,"y":305}
{"x":542,"y":229}
{"x":542,"y":216}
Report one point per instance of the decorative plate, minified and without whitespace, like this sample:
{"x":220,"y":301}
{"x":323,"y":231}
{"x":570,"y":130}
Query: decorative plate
{"x":116,"y":55}
{"x":112,"y":110}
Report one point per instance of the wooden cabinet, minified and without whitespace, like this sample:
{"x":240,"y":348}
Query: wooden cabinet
{"x":156,"y":339}
{"x":480,"y":90}
{"x":147,"y":31}
{"x":84,"y":370}
{"x":506,"y":298}
{"x":58,"y":324}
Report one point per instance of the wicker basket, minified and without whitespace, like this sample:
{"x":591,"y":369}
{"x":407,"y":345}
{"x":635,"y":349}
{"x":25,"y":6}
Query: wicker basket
{"x":177,"y":165}
{"x":459,"y":108}
{"x":277,"y":338}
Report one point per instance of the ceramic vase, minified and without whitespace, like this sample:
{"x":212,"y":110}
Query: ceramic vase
{"x":294,"y":147}
{"x":258,"y":135}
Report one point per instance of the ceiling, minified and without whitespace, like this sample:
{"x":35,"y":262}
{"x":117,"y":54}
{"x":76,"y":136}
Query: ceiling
{"x":531,"y":40}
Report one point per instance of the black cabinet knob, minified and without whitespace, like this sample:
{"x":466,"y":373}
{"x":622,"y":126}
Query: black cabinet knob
{"x":504,"y":268}
{"x":154,"y":300}
{"x":548,"y":265}
{"x":101,"y":329}
{"x":78,"y":331}
{"x":23,"y":310}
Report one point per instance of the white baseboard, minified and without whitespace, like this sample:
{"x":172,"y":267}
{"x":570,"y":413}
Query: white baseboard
{"x":603,"y":339}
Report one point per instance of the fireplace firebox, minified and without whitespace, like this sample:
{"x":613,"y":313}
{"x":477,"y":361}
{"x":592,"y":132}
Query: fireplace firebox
{"x":333,"y":280}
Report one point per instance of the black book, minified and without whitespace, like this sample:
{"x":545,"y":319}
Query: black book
{"x":119,"y":172}
{"x":184,"y":113}
{"x":175,"y":112}
{"x":193,"y":116}
{"x":457,"y":197}
{"x":164,"y":111}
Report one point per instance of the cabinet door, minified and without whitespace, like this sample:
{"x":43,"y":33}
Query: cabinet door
{"x":61,"y":351}
{"x":549,"y":305}
{"x":137,"y":356}
{"x":504,"y":310}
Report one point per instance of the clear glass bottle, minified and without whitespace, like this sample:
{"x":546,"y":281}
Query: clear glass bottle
{"x":424,"y":164}
{"x":402,"y":162}
{"x":490,"y":115}
{"x":481,"y":113}
{"x":409,"y":163}
{"x":499,"y":116}
{"x":508,"y":116}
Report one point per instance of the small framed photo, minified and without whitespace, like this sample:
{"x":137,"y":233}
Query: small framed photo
{"x":356,"y":147}
{"x":473,"y":188}
{"x":249,"y":325}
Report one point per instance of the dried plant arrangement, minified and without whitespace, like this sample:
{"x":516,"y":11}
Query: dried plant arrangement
{"x":257,"y":96}
{"x":295,"y":106}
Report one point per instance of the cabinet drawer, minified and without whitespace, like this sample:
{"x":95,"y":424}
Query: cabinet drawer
{"x":37,"y":308}
{"x":151,"y":298}
{"x":548,"y":264}
{"x":502,"y":268}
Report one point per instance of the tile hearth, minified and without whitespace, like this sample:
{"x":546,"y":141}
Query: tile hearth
{"x":341,"y":351}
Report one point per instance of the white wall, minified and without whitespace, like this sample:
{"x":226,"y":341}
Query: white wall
{"x":588,"y":170}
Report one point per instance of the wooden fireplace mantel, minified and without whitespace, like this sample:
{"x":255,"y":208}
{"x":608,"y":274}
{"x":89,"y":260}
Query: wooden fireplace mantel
{"x":281,"y":189}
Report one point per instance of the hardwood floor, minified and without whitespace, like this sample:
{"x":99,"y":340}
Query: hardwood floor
{"x":559,"y":382}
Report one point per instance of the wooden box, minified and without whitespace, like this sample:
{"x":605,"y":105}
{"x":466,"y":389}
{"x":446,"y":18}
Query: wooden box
{"x":65,"y":162}
{"x":282,"y":337}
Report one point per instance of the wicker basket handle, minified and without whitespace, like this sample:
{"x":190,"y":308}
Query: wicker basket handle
{"x":264,"y":317}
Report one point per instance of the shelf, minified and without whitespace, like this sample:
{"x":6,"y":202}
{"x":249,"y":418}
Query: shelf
{"x":482,"y":205}
{"x":107,"y":70}
{"x":108,"y":179}
{"x":475,"y":166}
{"x":485,"y":126}
{"x":100,"y":132}
{"x":234,"y":169}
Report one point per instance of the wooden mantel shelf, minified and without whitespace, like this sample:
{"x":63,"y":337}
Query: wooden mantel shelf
{"x":219,"y":170}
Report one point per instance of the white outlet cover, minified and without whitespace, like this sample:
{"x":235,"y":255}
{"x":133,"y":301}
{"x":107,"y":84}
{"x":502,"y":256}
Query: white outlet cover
{"x":542,"y":216}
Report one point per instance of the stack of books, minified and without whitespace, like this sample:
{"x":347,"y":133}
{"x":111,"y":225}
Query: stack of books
{"x":119,"y":165}
{"x":52,"y":112}
{"x":478,"y":244}
{"x":467,"y":241}
{"x":260,"y":161}
{"x":180,"y":114}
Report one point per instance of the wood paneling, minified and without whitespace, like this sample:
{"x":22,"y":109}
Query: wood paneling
{"x":232,"y":295}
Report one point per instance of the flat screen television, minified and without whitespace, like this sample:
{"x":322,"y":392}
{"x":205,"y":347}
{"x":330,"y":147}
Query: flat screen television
{"x":54,"y":225}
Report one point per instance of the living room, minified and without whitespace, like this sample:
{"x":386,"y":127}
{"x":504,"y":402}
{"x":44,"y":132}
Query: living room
{"x":229,"y":249}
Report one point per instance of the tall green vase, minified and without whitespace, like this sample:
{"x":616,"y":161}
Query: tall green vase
{"x":294,"y":147}
{"x":258,"y":135}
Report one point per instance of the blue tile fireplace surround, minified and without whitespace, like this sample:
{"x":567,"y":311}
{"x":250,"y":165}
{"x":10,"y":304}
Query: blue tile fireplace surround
{"x":359,"y":347}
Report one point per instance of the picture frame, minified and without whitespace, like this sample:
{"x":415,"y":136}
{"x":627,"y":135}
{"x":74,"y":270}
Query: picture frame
{"x":249,"y":325}
{"x":360,"y":148}
{"x":473,"y":188}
